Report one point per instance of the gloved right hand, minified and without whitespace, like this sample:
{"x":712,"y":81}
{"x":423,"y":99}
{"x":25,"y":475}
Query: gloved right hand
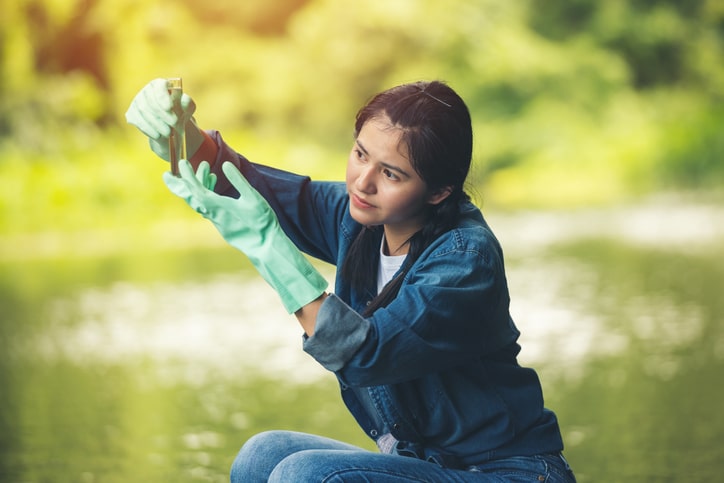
{"x":249,"y":224}
{"x":153,"y":112}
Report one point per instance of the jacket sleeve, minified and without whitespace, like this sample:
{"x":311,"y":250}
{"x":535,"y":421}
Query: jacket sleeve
{"x":309,"y":212}
{"x":452,"y":307}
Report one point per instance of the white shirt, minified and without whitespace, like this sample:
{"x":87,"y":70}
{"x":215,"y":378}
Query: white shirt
{"x":388,"y":266}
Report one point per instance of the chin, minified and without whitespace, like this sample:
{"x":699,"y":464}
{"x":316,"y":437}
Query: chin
{"x":361,"y":218}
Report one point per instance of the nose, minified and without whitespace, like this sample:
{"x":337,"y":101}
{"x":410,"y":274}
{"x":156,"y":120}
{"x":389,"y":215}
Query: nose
{"x":365,"y":180}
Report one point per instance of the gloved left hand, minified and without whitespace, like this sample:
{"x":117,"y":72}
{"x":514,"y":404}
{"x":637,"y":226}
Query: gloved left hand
{"x":250,"y":225}
{"x":153,"y":112}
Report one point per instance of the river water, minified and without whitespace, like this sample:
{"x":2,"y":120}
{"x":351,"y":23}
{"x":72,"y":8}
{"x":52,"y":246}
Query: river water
{"x":156,"y":367}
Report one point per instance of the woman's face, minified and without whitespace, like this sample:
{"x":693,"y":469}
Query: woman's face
{"x":383,"y":187}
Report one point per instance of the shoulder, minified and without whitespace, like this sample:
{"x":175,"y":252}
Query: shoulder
{"x":333,"y":191}
{"x":472,"y":236}
{"x":469,"y":255}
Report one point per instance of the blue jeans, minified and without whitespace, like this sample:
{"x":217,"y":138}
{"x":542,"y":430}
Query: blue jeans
{"x":286,"y":456}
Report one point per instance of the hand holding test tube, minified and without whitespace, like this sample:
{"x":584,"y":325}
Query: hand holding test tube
{"x":164,"y":113}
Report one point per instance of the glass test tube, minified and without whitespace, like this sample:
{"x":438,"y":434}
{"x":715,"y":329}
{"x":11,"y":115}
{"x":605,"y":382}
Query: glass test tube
{"x":177,"y":138}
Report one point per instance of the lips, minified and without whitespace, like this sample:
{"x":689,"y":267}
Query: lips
{"x":359,"y":202}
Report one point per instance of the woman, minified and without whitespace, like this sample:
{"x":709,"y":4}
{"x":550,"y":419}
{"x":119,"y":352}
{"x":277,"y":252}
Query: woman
{"x":417,"y":331}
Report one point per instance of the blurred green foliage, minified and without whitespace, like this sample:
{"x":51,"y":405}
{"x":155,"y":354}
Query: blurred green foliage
{"x":574,"y":102}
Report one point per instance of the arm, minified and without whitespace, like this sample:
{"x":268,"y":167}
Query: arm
{"x":307,"y":315}
{"x":248,"y":224}
{"x":309,"y":212}
{"x":453,"y":307}
{"x":212,"y":149}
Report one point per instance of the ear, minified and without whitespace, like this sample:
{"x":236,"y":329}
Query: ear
{"x":439,"y":195}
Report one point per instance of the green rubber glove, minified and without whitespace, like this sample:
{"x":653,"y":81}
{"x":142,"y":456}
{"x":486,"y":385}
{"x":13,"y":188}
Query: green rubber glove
{"x":250,"y":225}
{"x":152,"y":111}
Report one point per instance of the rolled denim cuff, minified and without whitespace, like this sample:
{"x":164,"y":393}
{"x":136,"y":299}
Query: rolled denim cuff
{"x":338,"y":334}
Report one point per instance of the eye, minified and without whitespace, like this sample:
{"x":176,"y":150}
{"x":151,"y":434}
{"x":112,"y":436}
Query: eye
{"x":358,"y":154}
{"x":390,"y":175}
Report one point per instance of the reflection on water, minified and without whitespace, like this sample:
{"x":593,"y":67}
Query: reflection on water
{"x":228,"y":324}
{"x":132,"y":377}
{"x":223,"y":326}
{"x":669,"y":223}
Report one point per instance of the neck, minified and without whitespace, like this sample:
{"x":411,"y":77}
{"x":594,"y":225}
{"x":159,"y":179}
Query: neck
{"x":397,"y":243}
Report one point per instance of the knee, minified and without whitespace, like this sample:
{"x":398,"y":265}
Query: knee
{"x":265,"y":439}
{"x":256,"y":458}
{"x":300,"y":466}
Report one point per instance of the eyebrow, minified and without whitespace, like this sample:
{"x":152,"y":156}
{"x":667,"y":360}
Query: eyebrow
{"x":391,"y":167}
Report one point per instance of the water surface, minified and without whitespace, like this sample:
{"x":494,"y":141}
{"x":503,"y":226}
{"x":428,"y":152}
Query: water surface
{"x":156,"y":367}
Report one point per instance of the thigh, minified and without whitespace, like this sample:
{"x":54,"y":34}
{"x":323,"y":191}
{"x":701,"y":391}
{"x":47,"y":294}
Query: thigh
{"x":263,"y":452}
{"x":520,"y":469}
{"x":361,"y":466}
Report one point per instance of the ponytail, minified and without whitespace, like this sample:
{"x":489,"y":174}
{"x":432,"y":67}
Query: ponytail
{"x":361,"y":263}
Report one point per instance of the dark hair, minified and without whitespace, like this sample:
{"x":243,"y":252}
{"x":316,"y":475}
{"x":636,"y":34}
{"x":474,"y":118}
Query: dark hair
{"x":437,"y":130}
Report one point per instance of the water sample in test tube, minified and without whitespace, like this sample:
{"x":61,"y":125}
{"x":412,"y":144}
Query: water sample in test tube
{"x":177,"y":138}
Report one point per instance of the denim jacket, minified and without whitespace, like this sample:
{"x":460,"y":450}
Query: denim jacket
{"x":439,"y":362}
